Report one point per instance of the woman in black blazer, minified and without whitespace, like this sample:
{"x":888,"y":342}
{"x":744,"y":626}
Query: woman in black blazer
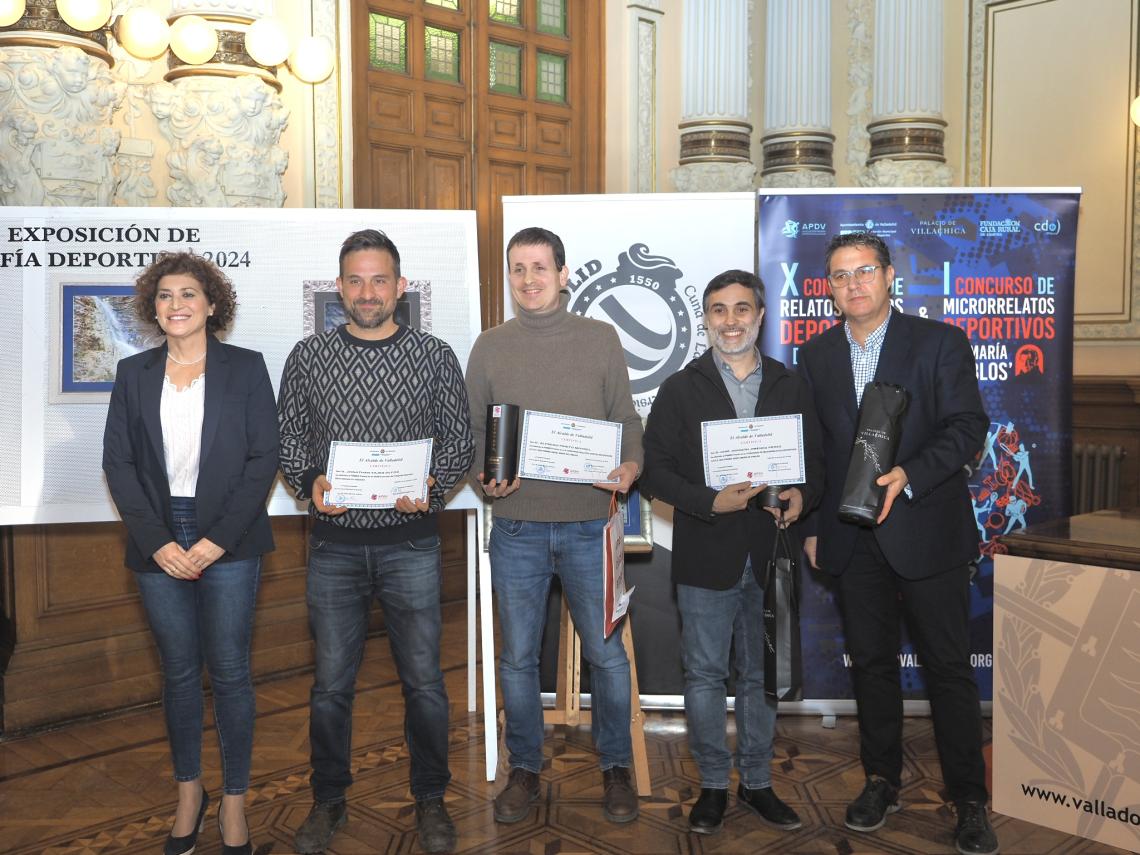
{"x":190,"y":451}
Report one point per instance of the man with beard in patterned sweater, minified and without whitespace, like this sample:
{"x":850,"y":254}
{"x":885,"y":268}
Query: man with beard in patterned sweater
{"x":373,"y":380}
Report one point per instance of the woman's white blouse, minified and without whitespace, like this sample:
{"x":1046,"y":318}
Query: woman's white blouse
{"x":181,"y":414}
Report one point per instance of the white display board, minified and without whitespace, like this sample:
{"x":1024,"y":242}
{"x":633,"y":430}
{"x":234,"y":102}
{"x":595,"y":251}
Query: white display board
{"x":65,"y":322}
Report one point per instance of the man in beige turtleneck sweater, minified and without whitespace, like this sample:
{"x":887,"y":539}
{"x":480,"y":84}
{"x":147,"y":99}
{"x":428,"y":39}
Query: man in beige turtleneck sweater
{"x":549,"y":360}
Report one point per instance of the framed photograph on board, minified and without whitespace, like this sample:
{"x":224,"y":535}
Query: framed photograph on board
{"x":97,"y":328}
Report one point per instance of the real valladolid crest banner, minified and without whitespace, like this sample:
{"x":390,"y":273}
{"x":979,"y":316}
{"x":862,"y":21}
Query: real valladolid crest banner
{"x":641,"y":263}
{"x":997,"y":264}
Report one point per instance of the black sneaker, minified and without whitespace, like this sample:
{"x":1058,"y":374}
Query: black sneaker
{"x":437,"y":831}
{"x":316,"y":832}
{"x":974,"y":834}
{"x":869,"y":810}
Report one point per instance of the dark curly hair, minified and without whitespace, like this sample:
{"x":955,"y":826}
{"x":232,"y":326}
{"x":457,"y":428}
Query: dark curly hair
{"x":218,"y":288}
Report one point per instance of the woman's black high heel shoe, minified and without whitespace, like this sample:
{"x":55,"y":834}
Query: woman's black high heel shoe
{"x":242,"y":849}
{"x":185,"y":845}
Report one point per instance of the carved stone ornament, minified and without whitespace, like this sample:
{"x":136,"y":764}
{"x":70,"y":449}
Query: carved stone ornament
{"x":906,"y":173}
{"x":714,"y":177}
{"x":223,"y":136}
{"x":56,"y":143}
{"x":798,"y":178}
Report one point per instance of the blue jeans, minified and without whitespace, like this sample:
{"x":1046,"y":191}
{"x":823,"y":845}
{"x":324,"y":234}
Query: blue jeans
{"x":343,"y":580}
{"x":525,"y":556}
{"x":210,"y":618}
{"x":710,"y":621}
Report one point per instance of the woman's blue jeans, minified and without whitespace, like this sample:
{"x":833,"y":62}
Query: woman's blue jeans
{"x":208,"y":619}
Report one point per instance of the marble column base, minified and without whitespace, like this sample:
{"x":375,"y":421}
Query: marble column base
{"x":714,"y":177}
{"x":906,"y":173}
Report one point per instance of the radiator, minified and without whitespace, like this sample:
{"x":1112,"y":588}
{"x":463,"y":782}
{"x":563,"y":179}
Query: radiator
{"x":1096,"y":477}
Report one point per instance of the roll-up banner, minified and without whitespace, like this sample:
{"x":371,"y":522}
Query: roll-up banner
{"x":999,"y":264}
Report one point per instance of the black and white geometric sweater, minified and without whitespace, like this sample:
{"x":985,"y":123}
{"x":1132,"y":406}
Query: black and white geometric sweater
{"x":338,"y":387}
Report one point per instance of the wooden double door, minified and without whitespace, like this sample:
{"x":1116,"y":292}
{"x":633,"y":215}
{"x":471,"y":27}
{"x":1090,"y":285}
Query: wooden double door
{"x":457,"y":103}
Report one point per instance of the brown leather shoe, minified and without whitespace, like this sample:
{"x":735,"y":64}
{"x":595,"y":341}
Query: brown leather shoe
{"x":513,"y":803}
{"x":620,"y":801}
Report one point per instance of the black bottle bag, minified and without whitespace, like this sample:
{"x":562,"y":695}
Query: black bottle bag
{"x":873,"y":452}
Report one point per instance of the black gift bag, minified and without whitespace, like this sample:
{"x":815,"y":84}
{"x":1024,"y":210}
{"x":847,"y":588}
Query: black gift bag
{"x":873,"y":452}
{"x":783,"y":662}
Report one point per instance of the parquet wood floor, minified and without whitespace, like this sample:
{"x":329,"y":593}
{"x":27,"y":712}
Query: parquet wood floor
{"x":103,"y":787}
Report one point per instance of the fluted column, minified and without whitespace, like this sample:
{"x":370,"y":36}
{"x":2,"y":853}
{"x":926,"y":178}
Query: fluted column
{"x":716,"y":134}
{"x":906,"y":128}
{"x":798,"y":142}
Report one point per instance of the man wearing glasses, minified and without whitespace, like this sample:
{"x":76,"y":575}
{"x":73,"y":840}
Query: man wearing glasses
{"x":916,"y":561}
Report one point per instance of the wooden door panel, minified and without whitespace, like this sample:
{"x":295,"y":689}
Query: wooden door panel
{"x":506,"y":129}
{"x":445,"y":118}
{"x":445,"y":180}
{"x":552,"y":135}
{"x":552,"y":180}
{"x":392,"y":174}
{"x":390,"y":110}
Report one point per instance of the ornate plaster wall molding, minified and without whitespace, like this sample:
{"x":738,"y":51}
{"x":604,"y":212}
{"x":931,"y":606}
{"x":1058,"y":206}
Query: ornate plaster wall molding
{"x":798,"y":178}
{"x":223,"y":135}
{"x":860,"y":73}
{"x":907,"y":173}
{"x":56,"y":143}
{"x":327,"y":120}
{"x":714,"y":177}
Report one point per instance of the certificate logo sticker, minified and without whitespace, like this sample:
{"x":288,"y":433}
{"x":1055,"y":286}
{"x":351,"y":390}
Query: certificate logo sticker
{"x":657,"y":317}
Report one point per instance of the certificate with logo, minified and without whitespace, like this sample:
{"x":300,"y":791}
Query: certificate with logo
{"x":366,"y":475}
{"x":568,"y":448}
{"x":761,"y":450}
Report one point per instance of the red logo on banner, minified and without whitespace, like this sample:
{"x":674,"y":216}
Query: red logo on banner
{"x":1028,"y":359}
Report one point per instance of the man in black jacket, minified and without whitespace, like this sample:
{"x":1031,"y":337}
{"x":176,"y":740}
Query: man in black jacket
{"x":915,"y":562}
{"x":722,"y":540}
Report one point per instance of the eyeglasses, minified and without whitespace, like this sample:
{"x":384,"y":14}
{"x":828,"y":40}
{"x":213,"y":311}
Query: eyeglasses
{"x":860,"y":275}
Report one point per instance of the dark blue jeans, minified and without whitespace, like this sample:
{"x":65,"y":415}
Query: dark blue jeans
{"x":343,"y":581}
{"x":211,"y":619}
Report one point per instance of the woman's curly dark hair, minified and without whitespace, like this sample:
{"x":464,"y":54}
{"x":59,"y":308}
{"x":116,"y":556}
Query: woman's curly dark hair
{"x":218,"y":288}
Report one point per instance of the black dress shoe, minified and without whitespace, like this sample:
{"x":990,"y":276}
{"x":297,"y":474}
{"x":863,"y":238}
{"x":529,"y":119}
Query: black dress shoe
{"x":869,"y":810}
{"x":768,"y":805}
{"x":974,"y":834}
{"x":185,"y":845}
{"x":241,"y":849}
{"x":707,"y":815}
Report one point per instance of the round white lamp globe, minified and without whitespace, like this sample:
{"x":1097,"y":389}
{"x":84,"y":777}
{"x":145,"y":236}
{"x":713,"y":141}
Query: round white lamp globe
{"x":193,"y":39}
{"x":313,"y":59}
{"x":267,"y":41}
{"x":84,"y":15}
{"x":11,"y":11}
{"x":143,"y":32}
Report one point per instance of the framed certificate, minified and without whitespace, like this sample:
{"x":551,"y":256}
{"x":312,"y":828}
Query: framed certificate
{"x":366,"y":475}
{"x":572,"y":449}
{"x":761,"y":450}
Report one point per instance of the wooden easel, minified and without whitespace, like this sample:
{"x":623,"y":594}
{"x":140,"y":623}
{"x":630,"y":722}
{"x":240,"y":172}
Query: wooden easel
{"x":568,"y":693}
